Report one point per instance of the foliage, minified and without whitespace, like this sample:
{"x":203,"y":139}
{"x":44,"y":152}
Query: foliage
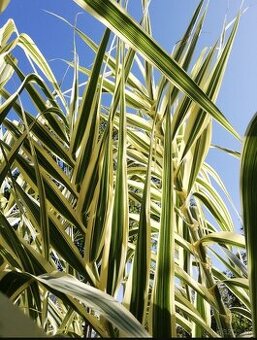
{"x":3,"y":4}
{"x":111,"y":187}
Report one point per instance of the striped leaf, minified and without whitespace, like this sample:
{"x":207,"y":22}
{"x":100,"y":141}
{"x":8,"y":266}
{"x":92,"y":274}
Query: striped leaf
{"x":248,"y":188}
{"x":124,"y":26}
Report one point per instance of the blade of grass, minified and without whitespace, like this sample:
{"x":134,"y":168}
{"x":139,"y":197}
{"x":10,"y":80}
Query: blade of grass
{"x":163,"y":299}
{"x":124,"y":26}
{"x":248,"y":188}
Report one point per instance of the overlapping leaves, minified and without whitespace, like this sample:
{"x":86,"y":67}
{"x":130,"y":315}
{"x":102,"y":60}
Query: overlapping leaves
{"x":112,"y":187}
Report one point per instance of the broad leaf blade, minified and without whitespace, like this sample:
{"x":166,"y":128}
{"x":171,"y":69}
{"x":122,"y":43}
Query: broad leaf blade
{"x":97,"y":300}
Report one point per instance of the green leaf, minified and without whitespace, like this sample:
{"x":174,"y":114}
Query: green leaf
{"x":120,"y":222}
{"x":3,"y":4}
{"x":86,"y":115}
{"x":112,"y":15}
{"x":223,"y":237}
{"x":163,"y":312}
{"x":248,"y":190}
{"x":96,"y":299}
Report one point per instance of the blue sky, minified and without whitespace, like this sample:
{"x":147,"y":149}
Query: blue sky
{"x":237,"y":99}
